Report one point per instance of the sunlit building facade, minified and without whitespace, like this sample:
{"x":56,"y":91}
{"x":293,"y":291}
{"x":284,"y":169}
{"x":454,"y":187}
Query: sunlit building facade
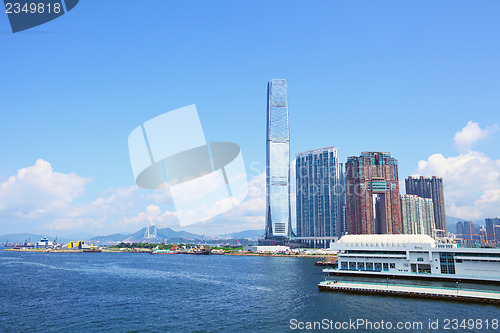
{"x":317,"y":194}
{"x":491,"y":224}
{"x":278,"y":217}
{"x":417,"y":215}
{"x":430,"y":187}
{"x":372,"y":192}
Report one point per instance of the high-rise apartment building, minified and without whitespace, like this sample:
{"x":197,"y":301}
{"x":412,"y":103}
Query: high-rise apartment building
{"x":372,"y":193}
{"x":278,"y":218}
{"x":460,"y":229}
{"x":342,"y":200}
{"x":417,"y":215}
{"x":317,"y":198}
{"x":468,"y":231}
{"x":429,"y":188}
{"x":490,"y":227}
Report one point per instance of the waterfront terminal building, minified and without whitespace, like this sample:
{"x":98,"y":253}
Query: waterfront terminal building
{"x":414,"y":256}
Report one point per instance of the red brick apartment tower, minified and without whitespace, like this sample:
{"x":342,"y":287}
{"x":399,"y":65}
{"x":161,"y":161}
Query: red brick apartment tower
{"x":372,"y":194}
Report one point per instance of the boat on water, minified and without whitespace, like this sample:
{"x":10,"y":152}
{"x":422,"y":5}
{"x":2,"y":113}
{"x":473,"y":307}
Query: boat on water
{"x":92,"y":250}
{"x":331,"y":261}
{"x":158,"y":251}
{"x":9,"y":245}
{"x":198,"y":251}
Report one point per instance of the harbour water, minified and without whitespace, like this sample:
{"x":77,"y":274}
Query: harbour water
{"x":108,"y":292}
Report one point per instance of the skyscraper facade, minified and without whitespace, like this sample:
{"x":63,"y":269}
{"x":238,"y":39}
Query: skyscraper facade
{"x":278,"y":218}
{"x":468,"y":231}
{"x":429,"y":188}
{"x":342,"y":200}
{"x":491,"y":223}
{"x":317,"y":198}
{"x":460,"y":229}
{"x":417,"y":215}
{"x":373,"y":205}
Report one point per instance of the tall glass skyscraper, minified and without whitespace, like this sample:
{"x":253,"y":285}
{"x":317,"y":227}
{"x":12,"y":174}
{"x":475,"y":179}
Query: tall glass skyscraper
{"x":278,"y":218}
{"x":318,"y":193}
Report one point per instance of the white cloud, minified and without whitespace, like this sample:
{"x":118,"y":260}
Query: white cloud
{"x":471,"y":179}
{"x":152,"y":216}
{"x":247,"y":215}
{"x":47,"y":198}
{"x":471,"y":133}
{"x":250,"y":214}
{"x":38,"y":191}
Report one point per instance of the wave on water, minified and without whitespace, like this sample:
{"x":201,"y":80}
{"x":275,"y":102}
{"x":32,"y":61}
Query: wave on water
{"x":11,"y":258}
{"x":142,"y":273}
{"x":30,"y":263}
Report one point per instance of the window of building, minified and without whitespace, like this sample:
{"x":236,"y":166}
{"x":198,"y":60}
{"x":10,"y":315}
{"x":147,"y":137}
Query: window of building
{"x":343,"y":265}
{"x":378,"y":266}
{"x":386,"y":267}
{"x":392,"y":265}
{"x":369,"y":266}
{"x":447,"y":262}
{"x":420,"y":259}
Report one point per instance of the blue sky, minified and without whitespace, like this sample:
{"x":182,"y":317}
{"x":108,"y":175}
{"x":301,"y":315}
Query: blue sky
{"x":397,"y":76}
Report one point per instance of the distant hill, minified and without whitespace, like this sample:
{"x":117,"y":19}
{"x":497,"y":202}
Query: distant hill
{"x":451,"y":223}
{"x":252,"y":234}
{"x":20,"y":238}
{"x":110,"y":238}
{"x":165,"y":233}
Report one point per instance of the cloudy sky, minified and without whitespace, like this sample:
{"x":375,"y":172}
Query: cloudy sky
{"x":416,"y":78}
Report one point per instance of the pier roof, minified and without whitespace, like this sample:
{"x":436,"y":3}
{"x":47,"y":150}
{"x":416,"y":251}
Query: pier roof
{"x":385,"y":240}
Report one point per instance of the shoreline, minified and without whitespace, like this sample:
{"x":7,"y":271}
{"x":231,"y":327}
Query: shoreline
{"x":147,"y":252}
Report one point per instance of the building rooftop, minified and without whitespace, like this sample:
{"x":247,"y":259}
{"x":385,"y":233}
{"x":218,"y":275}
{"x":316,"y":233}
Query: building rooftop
{"x":384,"y":240}
{"x":307,"y":152}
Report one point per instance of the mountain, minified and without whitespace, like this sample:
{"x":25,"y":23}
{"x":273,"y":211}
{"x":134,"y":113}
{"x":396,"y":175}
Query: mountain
{"x":245,"y":234}
{"x":20,"y":238}
{"x":165,"y":233}
{"x":110,"y":238}
{"x":451,"y":223}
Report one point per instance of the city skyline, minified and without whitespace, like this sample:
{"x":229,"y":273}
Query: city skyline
{"x":362,"y":78}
